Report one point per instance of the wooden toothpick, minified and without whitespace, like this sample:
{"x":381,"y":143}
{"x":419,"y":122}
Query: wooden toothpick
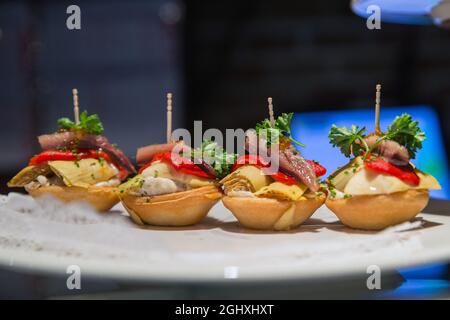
{"x":377,"y":109}
{"x":271,"y":117}
{"x":76,"y":110}
{"x":169,"y":117}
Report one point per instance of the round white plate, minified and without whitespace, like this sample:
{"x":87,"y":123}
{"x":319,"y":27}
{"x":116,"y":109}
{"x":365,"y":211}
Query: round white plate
{"x":49,"y":237}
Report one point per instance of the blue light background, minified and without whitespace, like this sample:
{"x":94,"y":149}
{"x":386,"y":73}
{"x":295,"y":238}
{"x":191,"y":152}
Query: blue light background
{"x":398,"y":11}
{"x":312,"y":129}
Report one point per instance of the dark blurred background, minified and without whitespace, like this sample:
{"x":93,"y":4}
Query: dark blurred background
{"x":221,"y":59}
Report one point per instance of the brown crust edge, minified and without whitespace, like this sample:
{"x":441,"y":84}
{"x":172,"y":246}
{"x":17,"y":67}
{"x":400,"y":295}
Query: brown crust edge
{"x":376,"y":212}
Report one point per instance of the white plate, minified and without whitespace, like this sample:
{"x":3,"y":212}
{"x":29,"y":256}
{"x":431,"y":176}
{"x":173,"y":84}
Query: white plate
{"x":48,"y":237}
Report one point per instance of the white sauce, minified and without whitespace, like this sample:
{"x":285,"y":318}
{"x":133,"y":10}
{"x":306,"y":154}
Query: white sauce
{"x":156,"y":186}
{"x":114,"y":182}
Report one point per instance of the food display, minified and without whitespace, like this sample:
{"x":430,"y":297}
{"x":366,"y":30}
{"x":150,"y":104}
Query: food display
{"x":279,"y":200}
{"x":380,"y":186}
{"x":270,"y":187}
{"x":77,"y":163}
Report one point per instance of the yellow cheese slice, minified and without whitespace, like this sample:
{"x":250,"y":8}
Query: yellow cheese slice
{"x":82,"y":173}
{"x":28,"y":174}
{"x":250,"y":175}
{"x":368,"y":182}
{"x":340,"y":178}
{"x":282,"y":191}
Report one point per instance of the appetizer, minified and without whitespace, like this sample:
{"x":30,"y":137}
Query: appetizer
{"x":176,"y":186}
{"x":279,"y":200}
{"x":77,"y":164}
{"x":380,"y":187}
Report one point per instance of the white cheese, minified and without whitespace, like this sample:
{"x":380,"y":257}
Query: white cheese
{"x":156,"y":186}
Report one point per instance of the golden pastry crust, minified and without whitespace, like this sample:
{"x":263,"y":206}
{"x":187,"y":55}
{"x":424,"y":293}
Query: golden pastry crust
{"x":376,"y":212}
{"x":101,"y":198}
{"x":174,"y":209}
{"x":272,"y":214}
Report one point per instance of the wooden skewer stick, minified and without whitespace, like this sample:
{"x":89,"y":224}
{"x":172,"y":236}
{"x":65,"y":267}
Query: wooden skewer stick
{"x":377,"y":109}
{"x":76,"y":110}
{"x":271,"y":117}
{"x":169,"y":117}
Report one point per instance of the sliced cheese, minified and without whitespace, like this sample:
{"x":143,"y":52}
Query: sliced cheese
{"x":250,"y":176}
{"x":368,"y":182}
{"x":340,"y":178}
{"x":29,"y":174}
{"x":282,"y":191}
{"x":82,"y":173}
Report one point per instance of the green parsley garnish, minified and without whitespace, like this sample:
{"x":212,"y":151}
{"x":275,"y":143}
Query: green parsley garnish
{"x":407,"y":133}
{"x":215,"y":156}
{"x":88,"y":123}
{"x":403,"y":130}
{"x":282,"y":128}
{"x":348,"y":140}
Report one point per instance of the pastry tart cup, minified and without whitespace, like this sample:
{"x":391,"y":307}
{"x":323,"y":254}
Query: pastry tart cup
{"x":272,"y":214}
{"x":376,"y":212}
{"x":101,"y":198}
{"x":174,"y":209}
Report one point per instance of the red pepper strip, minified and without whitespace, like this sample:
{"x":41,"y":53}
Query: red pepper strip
{"x":179,"y":163}
{"x":251,"y":159}
{"x":405,"y":174}
{"x":318,"y":169}
{"x":259,"y":162}
{"x":283,"y":178}
{"x":52,"y":155}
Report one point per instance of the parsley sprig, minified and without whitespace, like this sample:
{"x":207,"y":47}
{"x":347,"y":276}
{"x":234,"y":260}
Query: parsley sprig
{"x":406,"y":132}
{"x":282,"y":128}
{"x":348,"y":140}
{"x":88,"y":123}
{"x":215,"y":156}
{"x":403,"y":130}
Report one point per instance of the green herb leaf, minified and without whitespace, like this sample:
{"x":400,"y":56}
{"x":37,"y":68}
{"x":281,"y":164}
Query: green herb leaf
{"x":65,"y":123}
{"x":88,"y":123}
{"x":406,"y":132}
{"x":91,"y":123}
{"x":348,"y":140}
{"x":282,"y":128}
{"x":215,"y":156}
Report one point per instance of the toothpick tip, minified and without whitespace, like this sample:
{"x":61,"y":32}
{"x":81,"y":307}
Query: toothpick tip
{"x":74,"y":91}
{"x":378,"y":87}
{"x":169,"y":95}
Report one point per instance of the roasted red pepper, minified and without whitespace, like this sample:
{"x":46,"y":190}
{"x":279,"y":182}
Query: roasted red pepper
{"x":257,"y":161}
{"x":405,"y":174}
{"x":179,"y":163}
{"x":283,"y":178}
{"x":54,"y":155}
{"x":319,"y":170}
{"x":251,"y":159}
